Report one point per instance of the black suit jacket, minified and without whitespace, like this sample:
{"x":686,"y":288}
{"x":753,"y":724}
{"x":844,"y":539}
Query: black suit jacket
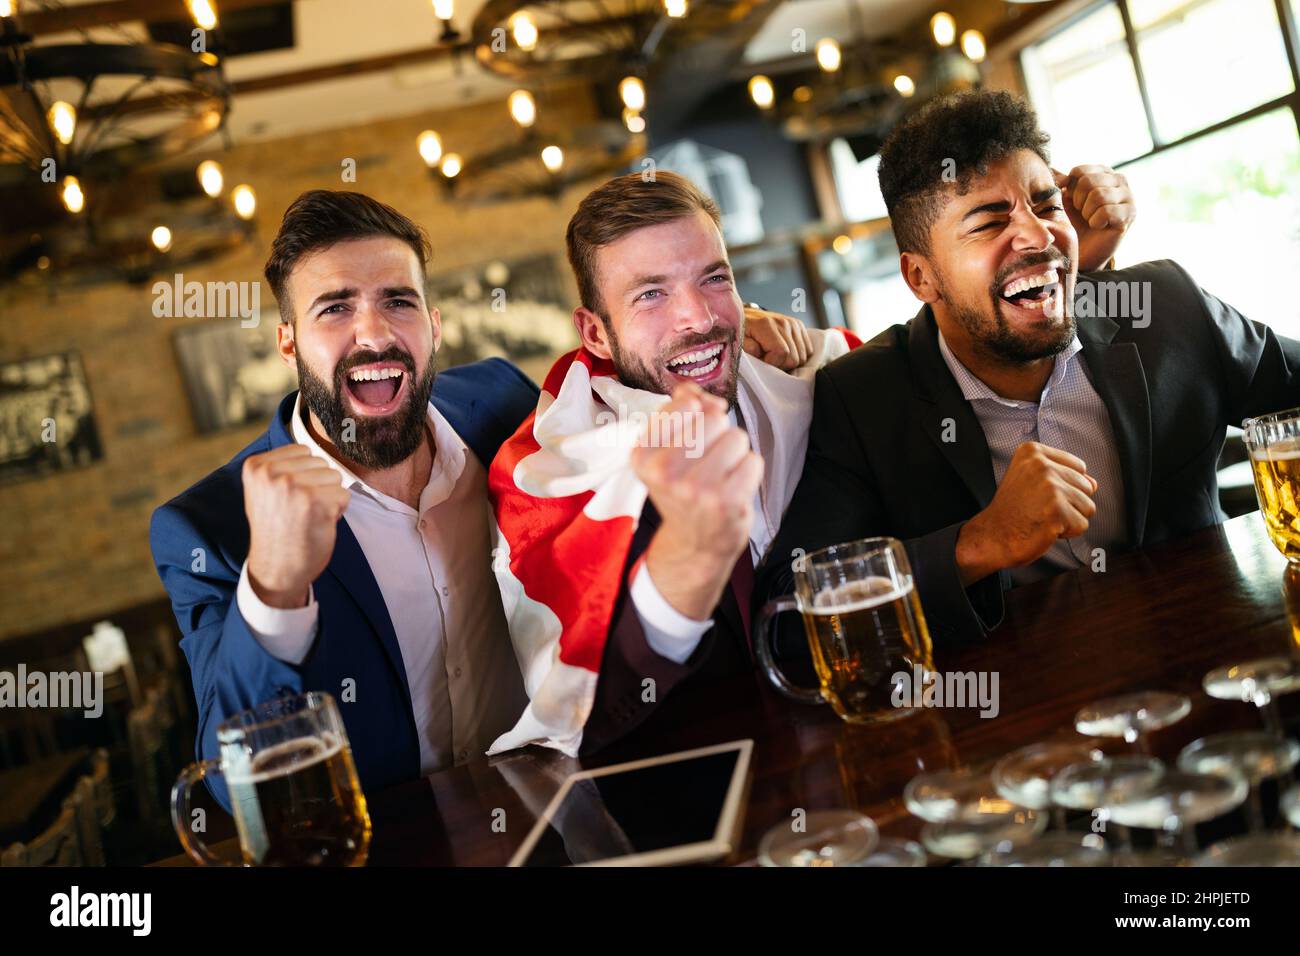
{"x":877,"y":463}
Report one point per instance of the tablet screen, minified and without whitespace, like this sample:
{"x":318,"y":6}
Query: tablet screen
{"x":611,"y":813}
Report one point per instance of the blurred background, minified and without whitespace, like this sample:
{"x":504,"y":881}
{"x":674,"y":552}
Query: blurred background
{"x":149,"y":147}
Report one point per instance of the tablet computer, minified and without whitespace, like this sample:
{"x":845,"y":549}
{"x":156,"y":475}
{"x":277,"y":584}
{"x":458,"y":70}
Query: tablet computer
{"x":684,"y":807}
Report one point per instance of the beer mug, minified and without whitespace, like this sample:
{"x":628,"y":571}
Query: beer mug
{"x":1273,"y":442}
{"x":294,"y":790}
{"x":864,"y":626}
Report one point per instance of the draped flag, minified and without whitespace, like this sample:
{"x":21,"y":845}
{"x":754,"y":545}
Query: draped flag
{"x":566,"y":503}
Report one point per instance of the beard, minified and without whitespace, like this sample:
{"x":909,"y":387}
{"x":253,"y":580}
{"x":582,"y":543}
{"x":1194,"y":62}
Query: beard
{"x":635,"y":372}
{"x":372,"y":442}
{"x":990,"y":332}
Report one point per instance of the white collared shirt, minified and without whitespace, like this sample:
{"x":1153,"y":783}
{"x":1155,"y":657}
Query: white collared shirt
{"x":434,"y":569}
{"x":669,"y":632}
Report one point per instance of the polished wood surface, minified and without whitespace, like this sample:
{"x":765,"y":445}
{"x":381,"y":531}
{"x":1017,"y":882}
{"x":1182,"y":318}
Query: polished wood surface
{"x":1154,"y":620}
{"x":31,"y":795}
{"x":1157,"y":620}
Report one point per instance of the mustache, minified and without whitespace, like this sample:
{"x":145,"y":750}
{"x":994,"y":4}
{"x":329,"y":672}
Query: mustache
{"x":694,"y":342}
{"x":1050,"y":254}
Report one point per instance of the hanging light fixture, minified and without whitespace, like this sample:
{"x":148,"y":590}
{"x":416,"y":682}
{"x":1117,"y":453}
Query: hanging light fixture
{"x":944,"y":28}
{"x":675,"y":8}
{"x":523,"y":109}
{"x":430,"y":146}
{"x":972,"y":44}
{"x":553,"y":158}
{"x":632,"y":91}
{"x":450,"y":166}
{"x":903,"y":83}
{"x":828,"y":55}
{"x":161,"y":237}
{"x":761,"y":92}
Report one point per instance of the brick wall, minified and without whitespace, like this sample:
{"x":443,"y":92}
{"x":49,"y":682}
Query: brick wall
{"x":76,"y":544}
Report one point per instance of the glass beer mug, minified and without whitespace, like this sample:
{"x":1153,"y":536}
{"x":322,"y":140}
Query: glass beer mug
{"x":1273,"y":442}
{"x":864,"y":626}
{"x":294,"y":790}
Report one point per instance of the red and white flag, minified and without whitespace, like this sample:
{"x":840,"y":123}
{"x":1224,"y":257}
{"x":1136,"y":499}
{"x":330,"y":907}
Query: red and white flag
{"x":566,"y":503}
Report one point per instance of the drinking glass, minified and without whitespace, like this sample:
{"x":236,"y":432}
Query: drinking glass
{"x":826,"y":838}
{"x":864,"y":625}
{"x":1093,"y":785}
{"x":1259,"y":682}
{"x":1255,"y":849}
{"x":1176,"y":803}
{"x":1052,"y":850}
{"x":1132,"y":716}
{"x":1024,"y":776}
{"x":1273,"y":442}
{"x":288,"y":768}
{"x":1253,"y":755}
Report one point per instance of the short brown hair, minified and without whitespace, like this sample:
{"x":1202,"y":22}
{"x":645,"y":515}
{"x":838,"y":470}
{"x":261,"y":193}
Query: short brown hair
{"x":319,"y":218}
{"x":623,"y":205}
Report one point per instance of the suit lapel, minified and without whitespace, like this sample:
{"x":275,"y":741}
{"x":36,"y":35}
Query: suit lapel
{"x":349,"y":568}
{"x":1117,"y":376}
{"x":944,"y":414}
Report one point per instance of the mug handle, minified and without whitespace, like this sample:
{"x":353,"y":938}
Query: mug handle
{"x":180,"y":806}
{"x":764,"y":632}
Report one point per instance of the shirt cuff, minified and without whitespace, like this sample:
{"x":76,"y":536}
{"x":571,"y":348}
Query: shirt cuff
{"x":669,"y":632}
{"x":284,"y":633}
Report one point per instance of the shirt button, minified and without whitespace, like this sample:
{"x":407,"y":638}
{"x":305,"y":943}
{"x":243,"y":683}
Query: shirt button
{"x":446,"y":591}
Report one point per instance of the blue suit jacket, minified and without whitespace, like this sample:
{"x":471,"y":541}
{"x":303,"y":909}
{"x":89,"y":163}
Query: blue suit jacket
{"x":484,"y":402}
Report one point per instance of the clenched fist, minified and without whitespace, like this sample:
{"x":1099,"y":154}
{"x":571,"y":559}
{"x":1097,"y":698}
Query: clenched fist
{"x":1045,"y":494}
{"x":1101,"y":208}
{"x":775,"y":339}
{"x":293,"y":501}
{"x":705,"y":500}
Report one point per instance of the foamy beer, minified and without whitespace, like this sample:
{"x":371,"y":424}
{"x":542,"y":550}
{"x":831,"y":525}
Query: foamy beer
{"x":1273,"y":442}
{"x":288,"y":769}
{"x":864,"y":625}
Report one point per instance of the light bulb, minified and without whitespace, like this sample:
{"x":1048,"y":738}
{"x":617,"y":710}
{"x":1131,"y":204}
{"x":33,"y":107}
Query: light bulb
{"x":761,"y":92}
{"x":944,"y":28}
{"x":675,"y":8}
{"x":553,"y":158}
{"x":430,"y":144}
{"x":972,"y":44}
{"x":161,"y":237}
{"x":210,"y":177}
{"x":522,"y":108}
{"x":828,"y":55}
{"x":632,"y":91}
{"x":524,"y":30}
{"x":903,"y":83}
{"x":451,"y":165}
{"x":203,"y":12}
{"x":245,"y":201}
{"x":74,"y":200}
{"x":63,"y":121}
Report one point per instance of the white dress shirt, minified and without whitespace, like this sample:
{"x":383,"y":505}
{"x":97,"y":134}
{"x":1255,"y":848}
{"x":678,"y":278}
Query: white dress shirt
{"x":434,"y":568}
{"x":1071,"y":416}
{"x":669,"y":632}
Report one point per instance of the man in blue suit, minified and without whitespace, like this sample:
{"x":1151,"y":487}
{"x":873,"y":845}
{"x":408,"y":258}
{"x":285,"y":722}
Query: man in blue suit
{"x":348,"y":548}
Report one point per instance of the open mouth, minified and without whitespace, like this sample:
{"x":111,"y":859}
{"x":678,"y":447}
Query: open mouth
{"x":1035,"y":292}
{"x":376,"y":389}
{"x":700,"y":364}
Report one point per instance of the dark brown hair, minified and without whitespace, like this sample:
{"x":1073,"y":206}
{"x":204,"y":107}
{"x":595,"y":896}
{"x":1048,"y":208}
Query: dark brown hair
{"x":623,"y":205}
{"x":319,"y":218}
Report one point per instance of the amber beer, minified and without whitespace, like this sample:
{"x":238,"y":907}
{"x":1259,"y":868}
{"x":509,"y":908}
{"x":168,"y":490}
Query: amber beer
{"x":300,"y":804}
{"x":287,"y":767}
{"x":861,"y":634}
{"x":864,"y":625}
{"x":1276,"y":468}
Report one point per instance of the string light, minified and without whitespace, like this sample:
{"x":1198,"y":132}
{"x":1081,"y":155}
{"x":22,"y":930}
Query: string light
{"x":522,"y":108}
{"x":903,"y":83}
{"x":210,"y":177}
{"x":203,"y":12}
{"x":524,"y":30}
{"x":63,"y":121}
{"x":245,"y":201}
{"x":944,"y":28}
{"x":972,"y":44}
{"x":74,"y":200}
{"x":675,"y":8}
{"x":632,"y":92}
{"x":553,"y":158}
{"x":828,"y":55}
{"x":761,"y":92}
{"x":161,"y":237}
{"x":430,"y":144}
{"x":451,"y":165}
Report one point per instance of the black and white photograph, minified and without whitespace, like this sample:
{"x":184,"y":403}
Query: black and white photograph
{"x":47,"y":422}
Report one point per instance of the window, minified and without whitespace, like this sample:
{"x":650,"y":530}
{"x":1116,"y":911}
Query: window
{"x":1208,"y":60}
{"x":1216,"y":166}
{"x":1082,"y":74}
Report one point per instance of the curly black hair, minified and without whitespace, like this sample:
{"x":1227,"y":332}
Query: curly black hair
{"x":949,"y":140}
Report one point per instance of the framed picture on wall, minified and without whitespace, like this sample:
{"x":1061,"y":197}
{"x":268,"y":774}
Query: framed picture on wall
{"x":234,"y":375}
{"x":47,"y":423}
